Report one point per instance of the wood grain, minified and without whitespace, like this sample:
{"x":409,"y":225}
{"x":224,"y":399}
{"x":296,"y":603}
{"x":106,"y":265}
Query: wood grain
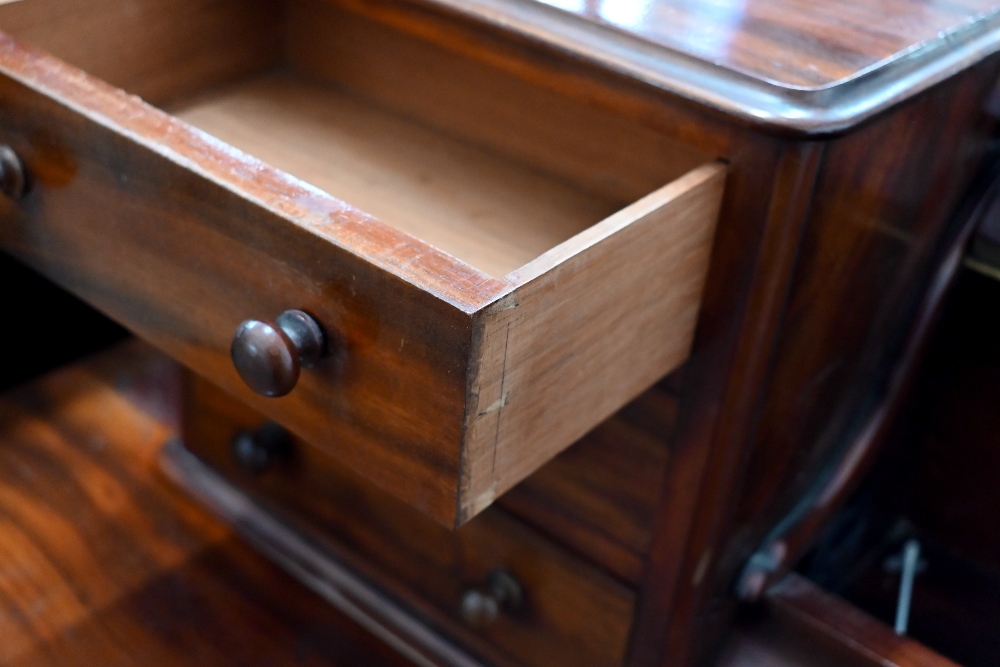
{"x":877,"y":224}
{"x":793,"y":43}
{"x":158,"y":49}
{"x":574,"y":615}
{"x":599,"y":497}
{"x":590,"y":327}
{"x":488,"y":211}
{"x":453,"y":90}
{"x":770,"y":642}
{"x":224,"y":238}
{"x":849,"y":628}
{"x":104,"y":562}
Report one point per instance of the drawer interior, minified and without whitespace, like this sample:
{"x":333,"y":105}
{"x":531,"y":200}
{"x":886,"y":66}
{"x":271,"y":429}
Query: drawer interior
{"x":488,"y":167}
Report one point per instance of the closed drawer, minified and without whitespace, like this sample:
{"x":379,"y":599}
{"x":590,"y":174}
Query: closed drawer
{"x":495,"y":269}
{"x":570,"y":613}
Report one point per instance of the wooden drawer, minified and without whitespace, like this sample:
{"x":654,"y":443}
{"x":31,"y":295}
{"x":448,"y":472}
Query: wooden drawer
{"x":572,"y":614}
{"x":496,"y":268}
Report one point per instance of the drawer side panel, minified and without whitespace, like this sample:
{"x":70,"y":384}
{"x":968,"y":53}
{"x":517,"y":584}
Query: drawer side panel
{"x":594,"y":323}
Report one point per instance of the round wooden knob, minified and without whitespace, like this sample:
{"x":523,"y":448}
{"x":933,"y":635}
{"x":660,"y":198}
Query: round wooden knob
{"x":12,"y":180}
{"x":269,"y":357}
{"x":256,"y":450}
{"x":502,"y":592}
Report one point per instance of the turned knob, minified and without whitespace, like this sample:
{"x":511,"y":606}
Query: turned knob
{"x":501,"y":593}
{"x":12,"y":180}
{"x":256,"y":450}
{"x":269,"y":357}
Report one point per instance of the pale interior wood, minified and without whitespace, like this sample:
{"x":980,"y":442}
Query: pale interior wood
{"x":488,"y":210}
{"x":457,"y":92}
{"x":510,"y":171}
{"x":590,"y":326}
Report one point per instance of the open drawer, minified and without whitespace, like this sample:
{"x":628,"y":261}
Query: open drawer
{"x":495,"y":268}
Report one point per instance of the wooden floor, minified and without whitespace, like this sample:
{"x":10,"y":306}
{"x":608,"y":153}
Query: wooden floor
{"x":104,"y":562}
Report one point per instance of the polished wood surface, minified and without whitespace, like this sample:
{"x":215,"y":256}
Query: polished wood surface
{"x":861,"y":266}
{"x":574,"y":614}
{"x":848,"y":628}
{"x":821,"y":253}
{"x":103,"y":561}
{"x":444,"y":377}
{"x":599,"y":497}
{"x":222,"y":40}
{"x":772,"y":642}
{"x":843,"y":474}
{"x":793,"y":43}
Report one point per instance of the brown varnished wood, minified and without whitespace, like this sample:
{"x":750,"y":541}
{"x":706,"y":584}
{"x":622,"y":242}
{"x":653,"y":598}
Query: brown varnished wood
{"x":700,"y":476}
{"x":638,"y":324}
{"x":819,"y":248}
{"x":823,"y":381}
{"x":222,"y":40}
{"x":104,"y":562}
{"x":241,"y":251}
{"x":908,"y":236}
{"x":766,"y":640}
{"x":574,"y":614}
{"x":849,"y":466}
{"x":793,"y":43}
{"x":847,"y":628}
{"x":600,"y":495}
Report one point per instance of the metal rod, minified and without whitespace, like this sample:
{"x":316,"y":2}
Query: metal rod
{"x":911,"y":556}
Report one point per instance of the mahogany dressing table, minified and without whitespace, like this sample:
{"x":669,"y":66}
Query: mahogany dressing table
{"x":524,"y":334}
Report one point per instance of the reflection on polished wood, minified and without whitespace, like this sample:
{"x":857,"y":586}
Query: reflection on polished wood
{"x":104,"y":562}
{"x":793,"y":43}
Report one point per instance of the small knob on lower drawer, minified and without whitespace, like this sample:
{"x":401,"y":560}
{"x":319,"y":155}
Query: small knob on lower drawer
{"x":269,"y":357}
{"x":12,"y":180}
{"x":256,"y":450}
{"x":502,"y":593}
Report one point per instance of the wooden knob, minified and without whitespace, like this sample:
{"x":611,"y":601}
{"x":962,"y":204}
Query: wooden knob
{"x":269,"y":357}
{"x":256,"y":450}
{"x":12,"y":180}
{"x":502,"y":592}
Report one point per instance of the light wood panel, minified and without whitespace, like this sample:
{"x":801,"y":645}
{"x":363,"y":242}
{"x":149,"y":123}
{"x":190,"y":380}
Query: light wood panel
{"x":574,"y":615}
{"x":469,"y":96}
{"x":158,"y":49}
{"x":592,"y":323}
{"x":487,"y":210}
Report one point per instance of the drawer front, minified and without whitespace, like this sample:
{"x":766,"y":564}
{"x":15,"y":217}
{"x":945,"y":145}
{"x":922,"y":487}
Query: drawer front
{"x":181,"y":250}
{"x":441,"y":384}
{"x":572,"y":614}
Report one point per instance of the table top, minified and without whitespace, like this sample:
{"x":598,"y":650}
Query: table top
{"x":806,"y":65}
